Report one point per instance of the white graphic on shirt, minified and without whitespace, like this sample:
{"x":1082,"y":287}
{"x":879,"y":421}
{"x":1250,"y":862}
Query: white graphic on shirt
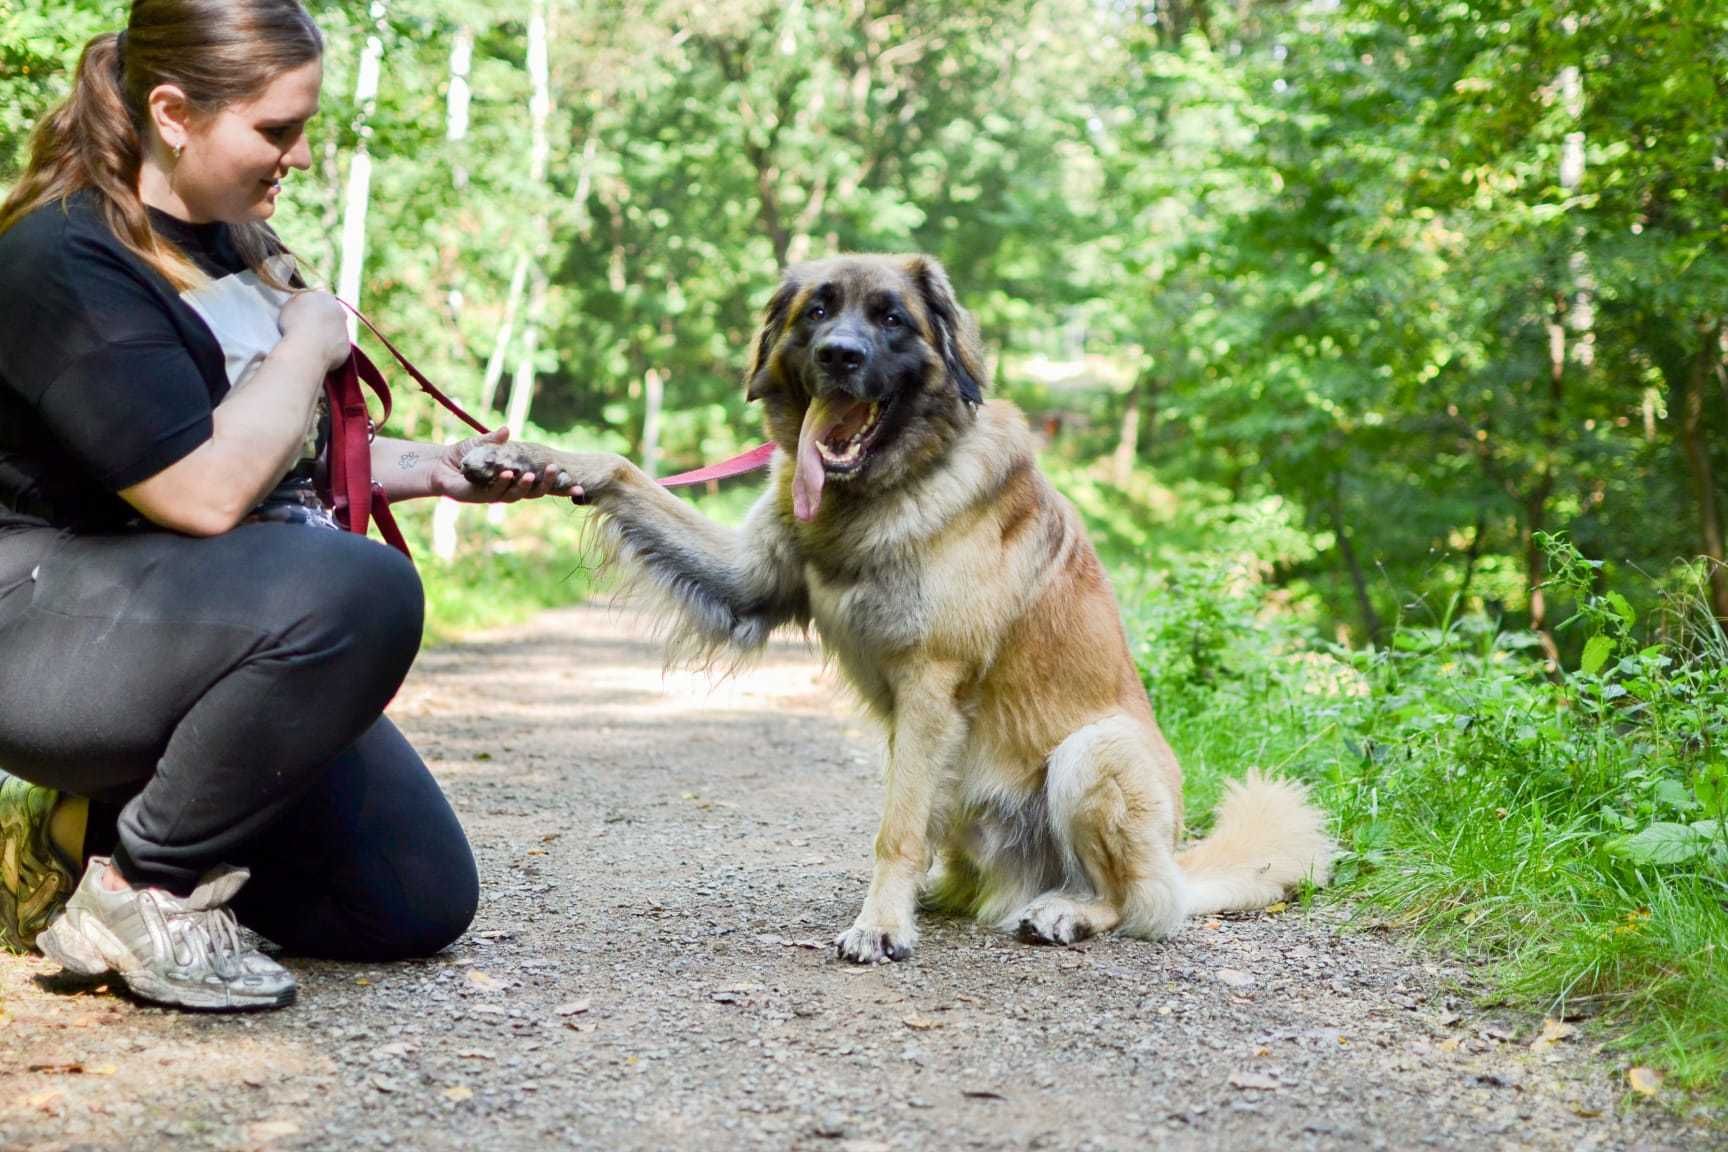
{"x":244,"y":314}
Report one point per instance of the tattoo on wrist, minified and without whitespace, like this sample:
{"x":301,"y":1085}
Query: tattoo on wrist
{"x":407,"y":461}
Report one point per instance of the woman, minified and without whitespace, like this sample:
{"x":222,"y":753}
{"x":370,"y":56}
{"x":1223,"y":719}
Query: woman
{"x":193,"y":663}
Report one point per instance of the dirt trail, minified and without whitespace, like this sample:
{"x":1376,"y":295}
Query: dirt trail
{"x":664,"y":863}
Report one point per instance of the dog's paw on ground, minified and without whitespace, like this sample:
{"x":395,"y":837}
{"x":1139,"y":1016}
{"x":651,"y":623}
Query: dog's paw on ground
{"x":1054,"y":919}
{"x":868,"y":944}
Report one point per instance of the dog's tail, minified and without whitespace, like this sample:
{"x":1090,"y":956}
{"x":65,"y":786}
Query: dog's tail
{"x":1268,"y":838}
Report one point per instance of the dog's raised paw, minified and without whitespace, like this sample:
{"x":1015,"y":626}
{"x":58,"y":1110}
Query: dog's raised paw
{"x":1053,"y":919}
{"x":863,"y":945}
{"x":483,"y":465}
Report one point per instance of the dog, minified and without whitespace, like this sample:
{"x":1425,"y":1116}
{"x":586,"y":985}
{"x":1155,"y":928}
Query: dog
{"x":907,"y":522}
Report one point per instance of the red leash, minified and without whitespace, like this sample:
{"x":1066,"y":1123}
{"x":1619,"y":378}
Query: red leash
{"x":355,"y":497}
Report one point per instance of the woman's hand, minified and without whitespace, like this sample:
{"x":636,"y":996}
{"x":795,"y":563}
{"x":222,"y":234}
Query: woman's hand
{"x":320,"y":322}
{"x":448,"y":480}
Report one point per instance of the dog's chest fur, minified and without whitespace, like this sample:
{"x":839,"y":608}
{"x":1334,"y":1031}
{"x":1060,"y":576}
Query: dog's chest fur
{"x":923,"y":571}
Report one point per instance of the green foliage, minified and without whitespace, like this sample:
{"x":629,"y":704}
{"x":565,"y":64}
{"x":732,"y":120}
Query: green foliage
{"x":1570,"y":833}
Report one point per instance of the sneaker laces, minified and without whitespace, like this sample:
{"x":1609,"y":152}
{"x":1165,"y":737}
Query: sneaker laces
{"x":211,"y":932}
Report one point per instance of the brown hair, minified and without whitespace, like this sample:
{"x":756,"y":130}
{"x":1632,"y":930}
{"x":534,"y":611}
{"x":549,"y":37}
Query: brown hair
{"x":218,"y":52}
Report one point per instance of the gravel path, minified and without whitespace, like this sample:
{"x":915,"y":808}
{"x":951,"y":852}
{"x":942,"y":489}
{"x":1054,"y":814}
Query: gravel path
{"x":664,"y":862}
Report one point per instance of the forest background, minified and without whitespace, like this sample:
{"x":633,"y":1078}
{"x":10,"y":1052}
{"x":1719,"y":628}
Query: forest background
{"x":1381,"y":342}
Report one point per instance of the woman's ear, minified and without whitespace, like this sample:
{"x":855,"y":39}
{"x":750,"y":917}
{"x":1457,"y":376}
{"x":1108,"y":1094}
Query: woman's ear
{"x":759,"y":377}
{"x":956,"y":332}
{"x":171,"y":115}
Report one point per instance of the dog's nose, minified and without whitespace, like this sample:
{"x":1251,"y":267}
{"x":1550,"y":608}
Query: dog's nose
{"x":840,"y":354}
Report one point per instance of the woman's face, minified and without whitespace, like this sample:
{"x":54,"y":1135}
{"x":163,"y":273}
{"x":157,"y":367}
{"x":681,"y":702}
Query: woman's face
{"x":233,"y":162}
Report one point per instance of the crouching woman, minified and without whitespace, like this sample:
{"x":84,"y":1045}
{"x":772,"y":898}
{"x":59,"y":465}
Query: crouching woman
{"x":196,"y":662}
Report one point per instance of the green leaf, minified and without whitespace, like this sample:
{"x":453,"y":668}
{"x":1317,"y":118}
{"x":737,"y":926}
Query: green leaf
{"x":1596,"y":654}
{"x":1675,"y":795}
{"x":1624,"y":608}
{"x":1711,"y":788}
{"x":1661,"y":843}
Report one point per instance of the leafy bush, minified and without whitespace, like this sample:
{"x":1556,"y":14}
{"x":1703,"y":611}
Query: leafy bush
{"x":1571,"y":827}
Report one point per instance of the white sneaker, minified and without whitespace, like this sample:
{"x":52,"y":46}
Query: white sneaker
{"x":179,"y":950}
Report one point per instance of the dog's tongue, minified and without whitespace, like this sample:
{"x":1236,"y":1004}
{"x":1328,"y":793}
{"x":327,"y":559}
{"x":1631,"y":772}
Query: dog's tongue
{"x":808,"y":475}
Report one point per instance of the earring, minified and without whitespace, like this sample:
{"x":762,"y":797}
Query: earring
{"x":178,"y":148}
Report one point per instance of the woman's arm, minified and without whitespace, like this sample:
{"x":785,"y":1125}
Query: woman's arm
{"x":408,"y":470}
{"x":258,"y":428}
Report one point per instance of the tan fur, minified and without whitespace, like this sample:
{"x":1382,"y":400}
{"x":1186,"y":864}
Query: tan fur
{"x":965,"y":605}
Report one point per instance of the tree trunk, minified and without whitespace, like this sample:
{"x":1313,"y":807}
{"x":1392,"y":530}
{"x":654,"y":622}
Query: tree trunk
{"x":653,"y":392}
{"x":1698,"y":467}
{"x":351,"y":271}
{"x":540,"y":111}
{"x":446,"y":517}
{"x":522,"y":387}
{"x":1347,"y":550}
{"x":1128,"y":443}
{"x":506,"y":329}
{"x":1471,"y":557}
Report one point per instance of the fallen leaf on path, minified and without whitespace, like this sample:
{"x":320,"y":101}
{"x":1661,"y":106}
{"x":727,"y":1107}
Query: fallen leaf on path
{"x":101,"y":1070}
{"x":484,"y":980}
{"x":474,"y":1054}
{"x":574,"y":1008}
{"x":1275,"y":909}
{"x":921,"y":1023}
{"x":1645,"y":1081}
{"x":1254,"y":1080}
{"x":1553,"y":1031}
{"x":808,"y":942}
{"x":458,"y":1093}
{"x":1452,"y":1044}
{"x":1235,"y":978}
{"x":1586,"y":1111}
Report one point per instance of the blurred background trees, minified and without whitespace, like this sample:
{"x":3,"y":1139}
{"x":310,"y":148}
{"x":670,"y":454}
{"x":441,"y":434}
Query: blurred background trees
{"x":1432,"y":277}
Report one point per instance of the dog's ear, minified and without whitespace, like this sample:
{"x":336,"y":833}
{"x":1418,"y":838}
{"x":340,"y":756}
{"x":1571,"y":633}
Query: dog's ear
{"x":956,"y":332}
{"x":758,"y":380}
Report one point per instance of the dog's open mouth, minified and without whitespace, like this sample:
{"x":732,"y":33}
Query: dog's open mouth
{"x":837,"y":435}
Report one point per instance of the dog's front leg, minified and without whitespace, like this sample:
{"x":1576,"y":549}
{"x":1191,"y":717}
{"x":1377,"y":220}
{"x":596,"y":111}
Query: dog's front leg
{"x":730,"y":587}
{"x":928,"y":730}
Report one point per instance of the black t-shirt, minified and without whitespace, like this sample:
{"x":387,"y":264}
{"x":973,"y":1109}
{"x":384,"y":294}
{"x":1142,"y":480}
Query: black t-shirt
{"x":107,"y":374}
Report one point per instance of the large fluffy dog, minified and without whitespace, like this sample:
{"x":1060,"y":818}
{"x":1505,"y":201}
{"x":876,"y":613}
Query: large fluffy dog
{"x":1027,"y":783}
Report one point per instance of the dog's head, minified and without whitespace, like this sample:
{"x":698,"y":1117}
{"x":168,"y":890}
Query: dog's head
{"x":868,"y":369}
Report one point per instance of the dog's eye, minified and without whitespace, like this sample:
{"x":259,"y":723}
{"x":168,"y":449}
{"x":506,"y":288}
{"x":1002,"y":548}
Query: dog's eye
{"x":816,"y":312}
{"x":893,"y":320}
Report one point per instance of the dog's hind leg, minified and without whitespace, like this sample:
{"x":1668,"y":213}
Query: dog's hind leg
{"x":1114,"y":821}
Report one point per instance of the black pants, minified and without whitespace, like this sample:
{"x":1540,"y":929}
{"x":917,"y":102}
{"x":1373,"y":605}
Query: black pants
{"x":224,"y":696}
